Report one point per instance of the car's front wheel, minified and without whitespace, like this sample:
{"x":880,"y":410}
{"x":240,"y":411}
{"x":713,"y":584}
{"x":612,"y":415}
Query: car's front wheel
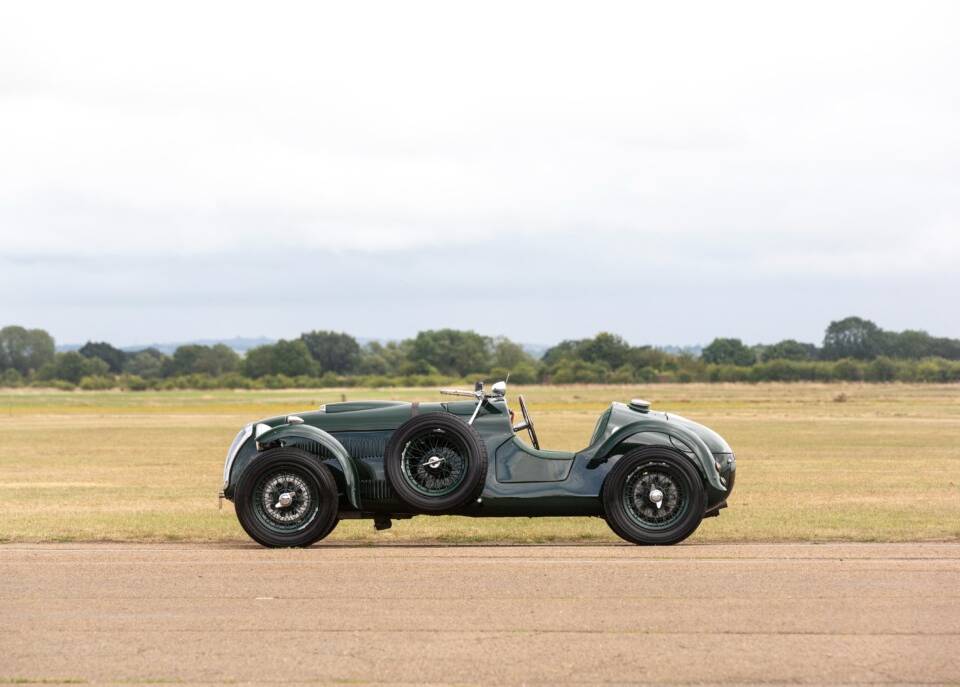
{"x":654,"y":495}
{"x":286,"y":498}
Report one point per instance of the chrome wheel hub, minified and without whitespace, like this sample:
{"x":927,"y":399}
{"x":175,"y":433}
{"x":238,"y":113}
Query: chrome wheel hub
{"x":286,"y":498}
{"x":433,"y":462}
{"x":655,"y":497}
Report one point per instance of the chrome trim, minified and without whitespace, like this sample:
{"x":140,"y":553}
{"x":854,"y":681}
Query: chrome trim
{"x":294,"y":420}
{"x":232,"y":452}
{"x":476,"y":411}
{"x":261,"y":428}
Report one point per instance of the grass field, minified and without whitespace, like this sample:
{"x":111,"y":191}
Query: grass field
{"x":881,"y":465}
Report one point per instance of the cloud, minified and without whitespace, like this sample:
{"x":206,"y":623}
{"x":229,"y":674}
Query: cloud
{"x":157,"y":156}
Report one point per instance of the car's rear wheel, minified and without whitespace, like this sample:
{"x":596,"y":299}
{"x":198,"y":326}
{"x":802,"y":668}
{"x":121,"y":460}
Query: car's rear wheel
{"x":436,"y":462}
{"x":654,"y":495}
{"x":286,"y":498}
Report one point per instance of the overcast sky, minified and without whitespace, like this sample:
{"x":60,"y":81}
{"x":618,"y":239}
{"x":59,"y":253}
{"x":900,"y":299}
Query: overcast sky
{"x":667,"y":171}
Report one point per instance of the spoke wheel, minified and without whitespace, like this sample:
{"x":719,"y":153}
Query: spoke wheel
{"x":286,"y":497}
{"x":654,"y":495}
{"x":286,"y":500}
{"x":435,"y":462}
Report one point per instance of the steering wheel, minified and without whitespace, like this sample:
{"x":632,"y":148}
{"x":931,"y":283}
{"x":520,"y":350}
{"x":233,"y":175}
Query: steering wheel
{"x":527,"y":424}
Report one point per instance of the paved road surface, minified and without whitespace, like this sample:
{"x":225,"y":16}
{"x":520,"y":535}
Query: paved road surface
{"x":859,"y":613}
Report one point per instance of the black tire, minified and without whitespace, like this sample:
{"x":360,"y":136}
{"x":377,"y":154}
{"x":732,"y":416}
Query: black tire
{"x":639,"y":474}
{"x":312,"y":513}
{"x":326,"y":533}
{"x":436,"y":462}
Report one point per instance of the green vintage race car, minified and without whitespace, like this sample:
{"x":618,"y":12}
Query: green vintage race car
{"x":652,"y":475}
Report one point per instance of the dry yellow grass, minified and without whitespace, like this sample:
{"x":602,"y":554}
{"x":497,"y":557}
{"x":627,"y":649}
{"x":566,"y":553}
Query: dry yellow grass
{"x":884,"y":465}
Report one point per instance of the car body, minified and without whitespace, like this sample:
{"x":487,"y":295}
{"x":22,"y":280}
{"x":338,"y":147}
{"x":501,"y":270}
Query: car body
{"x":353,"y":440}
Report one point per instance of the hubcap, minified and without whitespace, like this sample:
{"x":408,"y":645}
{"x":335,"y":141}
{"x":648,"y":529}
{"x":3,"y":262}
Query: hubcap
{"x":655,"y":496}
{"x":434,"y":463}
{"x":286,"y":500}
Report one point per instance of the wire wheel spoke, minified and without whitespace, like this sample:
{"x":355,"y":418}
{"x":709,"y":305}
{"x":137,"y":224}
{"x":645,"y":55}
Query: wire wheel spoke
{"x":434,"y":462}
{"x":286,"y":500}
{"x":655,"y":497}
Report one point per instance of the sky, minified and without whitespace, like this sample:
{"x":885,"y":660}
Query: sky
{"x":670,"y":172}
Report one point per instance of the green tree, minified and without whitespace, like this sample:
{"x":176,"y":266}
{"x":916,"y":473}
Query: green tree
{"x":790,"y":349}
{"x":605,"y":348}
{"x":931,"y":370}
{"x":72,"y":367}
{"x":565,"y":350}
{"x":148,"y":363}
{"x":881,"y":369}
{"x":574,"y":371}
{"x":648,"y":356}
{"x":219,"y":360}
{"x":509,"y":355}
{"x":524,"y":373}
{"x":451,"y":351}
{"x":186,"y":357}
{"x":852,"y":337}
{"x":10,"y":378}
{"x":112,"y":356}
{"x":728,"y":352}
{"x":382,"y":359}
{"x":372,"y":361}
{"x":212,"y":360}
{"x":289,"y":358}
{"x":334,"y":351}
{"x":945,"y":348}
{"x":848,"y":369}
{"x":25,"y":350}
{"x":912,"y":344}
{"x":915,"y":344}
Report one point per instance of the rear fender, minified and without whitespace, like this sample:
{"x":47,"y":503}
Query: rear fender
{"x":317,"y":441}
{"x":702,"y":456}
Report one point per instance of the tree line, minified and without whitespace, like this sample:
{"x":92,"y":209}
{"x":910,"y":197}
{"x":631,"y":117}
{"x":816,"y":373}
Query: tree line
{"x":853,"y":349}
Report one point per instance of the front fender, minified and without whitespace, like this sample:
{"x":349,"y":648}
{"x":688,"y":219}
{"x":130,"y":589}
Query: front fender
{"x":289,"y":434}
{"x":704,"y":457}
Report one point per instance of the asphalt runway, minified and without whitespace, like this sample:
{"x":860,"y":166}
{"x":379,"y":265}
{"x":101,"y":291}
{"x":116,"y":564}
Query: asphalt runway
{"x":832,"y":613}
